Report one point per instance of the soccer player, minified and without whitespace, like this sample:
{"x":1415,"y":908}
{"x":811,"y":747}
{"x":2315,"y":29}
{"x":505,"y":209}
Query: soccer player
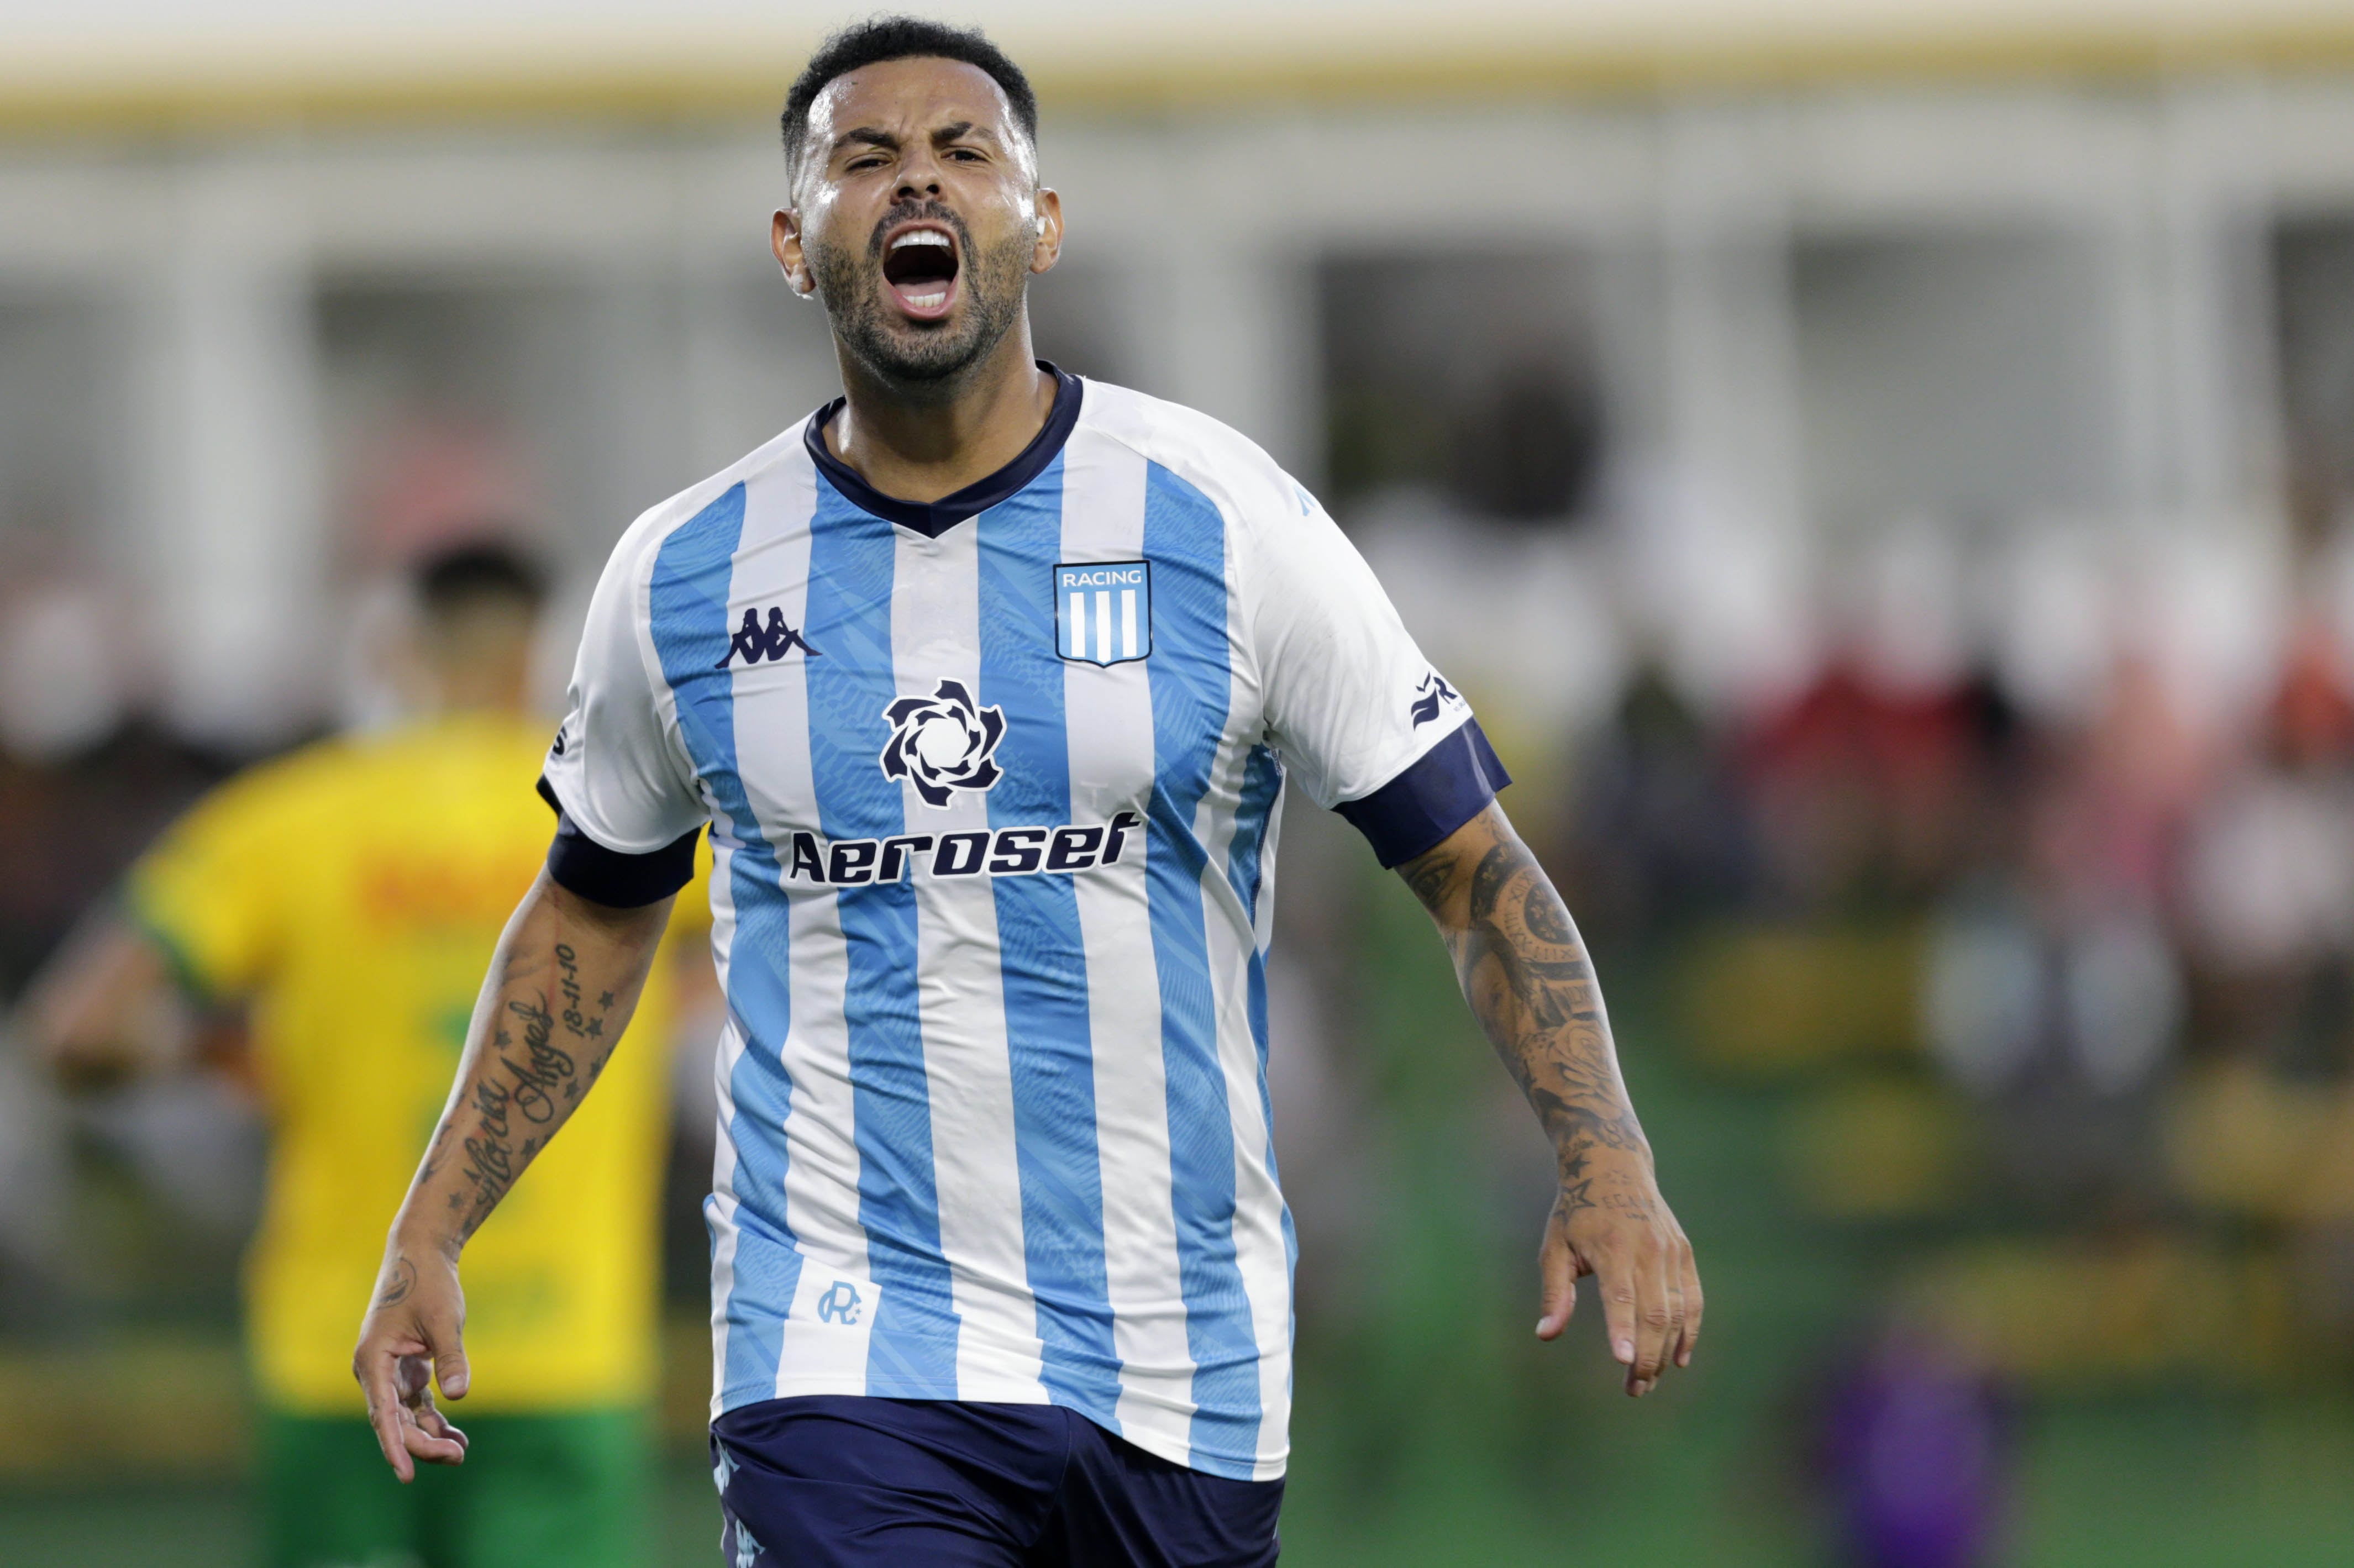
{"x":986,"y":680}
{"x":352,"y":893}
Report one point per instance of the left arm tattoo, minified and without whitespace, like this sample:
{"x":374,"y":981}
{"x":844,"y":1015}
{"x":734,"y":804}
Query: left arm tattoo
{"x":1530,"y":982}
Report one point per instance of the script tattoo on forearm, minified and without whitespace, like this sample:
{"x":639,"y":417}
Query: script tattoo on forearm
{"x":527,"y":1082}
{"x":1527,"y":977}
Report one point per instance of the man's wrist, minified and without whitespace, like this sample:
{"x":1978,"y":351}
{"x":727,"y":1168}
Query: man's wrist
{"x":1580,"y":1155}
{"x":425,"y":1236}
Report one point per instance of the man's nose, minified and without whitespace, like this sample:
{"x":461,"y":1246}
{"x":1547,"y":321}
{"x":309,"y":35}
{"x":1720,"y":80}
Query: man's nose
{"x":919,"y":177}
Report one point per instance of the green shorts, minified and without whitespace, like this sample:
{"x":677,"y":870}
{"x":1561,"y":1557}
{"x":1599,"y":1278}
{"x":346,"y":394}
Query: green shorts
{"x":535,"y":1491}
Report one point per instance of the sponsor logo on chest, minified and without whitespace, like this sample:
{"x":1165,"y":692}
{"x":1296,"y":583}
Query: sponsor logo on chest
{"x":1004,"y":851}
{"x":942,"y":745}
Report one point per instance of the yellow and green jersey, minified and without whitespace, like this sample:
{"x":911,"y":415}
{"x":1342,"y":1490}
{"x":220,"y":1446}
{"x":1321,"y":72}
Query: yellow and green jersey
{"x":353,"y":893}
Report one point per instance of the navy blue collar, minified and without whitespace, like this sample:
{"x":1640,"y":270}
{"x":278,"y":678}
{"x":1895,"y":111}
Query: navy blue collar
{"x":934,"y":518}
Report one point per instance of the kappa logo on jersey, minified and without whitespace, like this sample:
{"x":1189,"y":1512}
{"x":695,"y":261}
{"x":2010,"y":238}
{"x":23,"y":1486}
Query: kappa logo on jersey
{"x":1103,"y":611}
{"x":1429,"y":697}
{"x":772,"y":642}
{"x":941,"y":744}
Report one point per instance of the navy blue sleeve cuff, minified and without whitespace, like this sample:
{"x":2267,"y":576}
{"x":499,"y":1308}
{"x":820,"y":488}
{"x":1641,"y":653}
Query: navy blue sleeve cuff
{"x":1442,"y":790}
{"x":581,"y":865}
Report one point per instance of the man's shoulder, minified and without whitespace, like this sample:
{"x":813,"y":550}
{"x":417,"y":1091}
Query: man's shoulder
{"x":1205,"y":452}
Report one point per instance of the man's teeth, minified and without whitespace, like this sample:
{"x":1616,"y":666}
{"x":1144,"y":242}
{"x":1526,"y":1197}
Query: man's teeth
{"x":937,"y":295}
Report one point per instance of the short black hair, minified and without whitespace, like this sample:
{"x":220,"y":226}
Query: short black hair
{"x":881,"y":39}
{"x":460,"y":577}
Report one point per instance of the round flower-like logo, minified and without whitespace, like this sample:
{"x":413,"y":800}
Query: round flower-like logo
{"x":941,"y":744}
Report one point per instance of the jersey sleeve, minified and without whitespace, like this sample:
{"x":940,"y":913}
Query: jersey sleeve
{"x":1353,"y":708}
{"x":211,"y":892}
{"x":617,"y":771}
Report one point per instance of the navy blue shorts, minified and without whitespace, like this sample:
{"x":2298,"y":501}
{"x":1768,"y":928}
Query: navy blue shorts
{"x":834,"y":1482}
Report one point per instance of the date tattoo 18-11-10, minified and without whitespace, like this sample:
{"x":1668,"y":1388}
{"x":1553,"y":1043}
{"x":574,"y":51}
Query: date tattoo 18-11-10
{"x":530,"y":1080}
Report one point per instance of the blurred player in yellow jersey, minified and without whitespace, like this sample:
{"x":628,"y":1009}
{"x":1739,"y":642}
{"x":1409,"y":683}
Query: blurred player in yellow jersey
{"x":351,"y":895}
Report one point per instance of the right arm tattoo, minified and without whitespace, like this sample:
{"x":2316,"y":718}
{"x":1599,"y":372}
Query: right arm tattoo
{"x":537,"y":1043}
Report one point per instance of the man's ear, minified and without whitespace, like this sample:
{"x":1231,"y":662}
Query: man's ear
{"x":1049,"y":247}
{"x":785,"y":239}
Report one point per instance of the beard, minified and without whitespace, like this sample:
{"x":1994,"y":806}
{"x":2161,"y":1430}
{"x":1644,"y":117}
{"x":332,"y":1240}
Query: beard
{"x":931,"y":357}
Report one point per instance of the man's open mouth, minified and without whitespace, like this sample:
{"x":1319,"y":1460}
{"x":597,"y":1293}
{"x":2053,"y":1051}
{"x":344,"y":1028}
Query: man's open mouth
{"x":919,"y":268}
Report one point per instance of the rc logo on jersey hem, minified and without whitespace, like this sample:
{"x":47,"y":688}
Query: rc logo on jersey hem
{"x":1103,"y":611}
{"x":941,"y":744}
{"x":840,"y":1304}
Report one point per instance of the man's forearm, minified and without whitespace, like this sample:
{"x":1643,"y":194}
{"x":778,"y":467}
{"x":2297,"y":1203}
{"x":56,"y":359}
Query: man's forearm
{"x":562,"y":986}
{"x":1527,"y":977}
{"x":106,"y":1009}
{"x":1530,"y":983}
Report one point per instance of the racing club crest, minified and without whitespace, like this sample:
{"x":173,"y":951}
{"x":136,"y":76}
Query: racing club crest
{"x":1103,"y":610}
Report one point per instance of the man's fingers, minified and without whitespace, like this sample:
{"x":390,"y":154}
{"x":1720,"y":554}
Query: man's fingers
{"x":388,"y":1423}
{"x":1658,"y":1324}
{"x":431,"y":1448}
{"x":444,"y":1336}
{"x":436,"y":1424}
{"x":379,"y":1380}
{"x":399,"y":1381}
{"x":1693,"y":1303}
{"x":449,"y":1363}
{"x":1615,"y":1270}
{"x":427,"y":1432}
{"x":1556,"y":1284}
{"x":412,"y":1374}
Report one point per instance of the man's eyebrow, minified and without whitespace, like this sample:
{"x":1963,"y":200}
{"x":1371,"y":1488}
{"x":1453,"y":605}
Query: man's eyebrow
{"x":864,"y":135}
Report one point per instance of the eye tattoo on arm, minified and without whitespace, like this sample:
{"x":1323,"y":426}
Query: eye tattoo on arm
{"x":1528,"y":981}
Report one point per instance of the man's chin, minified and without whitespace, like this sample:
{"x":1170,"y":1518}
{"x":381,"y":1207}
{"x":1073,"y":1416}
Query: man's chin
{"x":921,"y":352}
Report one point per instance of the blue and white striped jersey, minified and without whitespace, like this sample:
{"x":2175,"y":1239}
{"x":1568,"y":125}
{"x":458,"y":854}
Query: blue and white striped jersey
{"x":992,"y":788}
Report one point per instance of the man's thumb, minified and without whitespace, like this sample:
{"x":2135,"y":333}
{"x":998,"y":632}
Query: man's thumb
{"x":450,"y":1365}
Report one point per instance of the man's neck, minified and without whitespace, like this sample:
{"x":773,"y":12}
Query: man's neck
{"x":922,"y":450}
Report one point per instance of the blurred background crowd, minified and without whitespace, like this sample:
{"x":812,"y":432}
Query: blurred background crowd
{"x":1885,"y":480}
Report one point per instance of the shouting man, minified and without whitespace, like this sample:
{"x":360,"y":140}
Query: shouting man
{"x":986,"y":680}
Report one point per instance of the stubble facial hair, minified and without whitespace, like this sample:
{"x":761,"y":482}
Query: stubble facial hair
{"x":924,"y":360}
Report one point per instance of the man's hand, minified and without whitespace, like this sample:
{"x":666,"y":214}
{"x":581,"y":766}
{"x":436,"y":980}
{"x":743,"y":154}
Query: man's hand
{"x":413,"y":1332}
{"x":1525,"y":973}
{"x":1609,"y":1221}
